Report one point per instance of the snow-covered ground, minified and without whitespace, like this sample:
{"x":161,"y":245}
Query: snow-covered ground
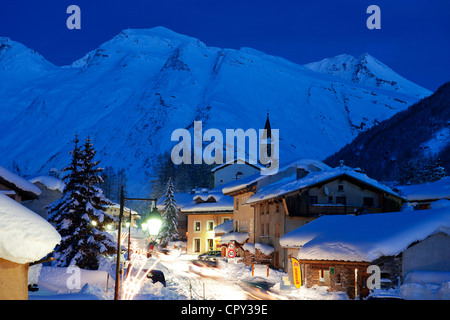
{"x":231,"y":281}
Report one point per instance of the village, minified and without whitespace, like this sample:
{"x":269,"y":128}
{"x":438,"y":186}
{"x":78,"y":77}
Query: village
{"x":309,"y":226}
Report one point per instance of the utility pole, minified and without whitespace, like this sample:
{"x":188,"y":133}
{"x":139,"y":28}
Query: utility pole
{"x":119,"y":235}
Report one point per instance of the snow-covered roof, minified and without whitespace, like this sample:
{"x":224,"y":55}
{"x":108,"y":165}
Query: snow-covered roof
{"x":239,"y":237}
{"x":309,"y":165}
{"x":24,"y":235}
{"x":197,"y":202}
{"x":49,"y":182}
{"x":427,"y":191}
{"x":242,"y":183}
{"x":15,"y":181}
{"x":237,"y":161}
{"x":225,"y":227}
{"x":182,"y":198}
{"x":221,"y":203}
{"x":204,"y":197}
{"x":286,"y":185}
{"x":366,"y":237}
{"x":264,"y":248}
{"x":126,"y":210}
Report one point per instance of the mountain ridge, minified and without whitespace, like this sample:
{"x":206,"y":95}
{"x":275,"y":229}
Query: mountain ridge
{"x":416,"y":135}
{"x":131,"y":92}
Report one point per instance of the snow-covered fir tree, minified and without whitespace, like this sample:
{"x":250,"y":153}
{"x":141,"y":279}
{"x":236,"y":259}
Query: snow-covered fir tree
{"x":79,"y":215}
{"x":420,"y":170}
{"x":169,"y":230}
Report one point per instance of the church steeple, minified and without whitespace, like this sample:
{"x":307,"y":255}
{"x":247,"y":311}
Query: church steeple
{"x":267,"y":127}
{"x":268,"y":136}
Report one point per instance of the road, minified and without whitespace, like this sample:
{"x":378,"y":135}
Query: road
{"x":227,"y":282}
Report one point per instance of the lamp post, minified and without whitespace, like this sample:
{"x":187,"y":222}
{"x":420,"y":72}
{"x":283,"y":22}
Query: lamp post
{"x":153,"y":222}
{"x":119,"y":234}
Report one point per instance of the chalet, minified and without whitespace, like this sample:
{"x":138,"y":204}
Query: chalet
{"x":421,"y":196}
{"x":16,"y":187}
{"x":51,"y":190}
{"x":301,"y":191}
{"x":336,"y":250}
{"x":201,"y":210}
{"x":128,"y":214}
{"x":207,"y":210}
{"x":25,"y":237}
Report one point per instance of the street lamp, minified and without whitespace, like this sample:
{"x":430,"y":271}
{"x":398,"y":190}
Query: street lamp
{"x":153,"y":223}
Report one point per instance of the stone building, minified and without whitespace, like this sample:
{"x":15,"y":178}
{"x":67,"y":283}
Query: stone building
{"x":267,"y":207}
{"x":336,"y":251}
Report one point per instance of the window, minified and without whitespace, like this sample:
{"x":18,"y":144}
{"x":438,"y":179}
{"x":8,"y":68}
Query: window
{"x":313,"y":200}
{"x":301,"y":173}
{"x":262,"y":230}
{"x":277,"y":229}
{"x":196,"y":244}
{"x":321,"y":276}
{"x":225,"y":220}
{"x":330,"y":199}
{"x":338,"y":278}
{"x":368,"y":201}
{"x":267,"y":226}
{"x":341,"y":200}
{"x":236,"y":203}
{"x":341,"y":187}
{"x":210,"y":244}
{"x":197,"y":226}
{"x":209,"y":225}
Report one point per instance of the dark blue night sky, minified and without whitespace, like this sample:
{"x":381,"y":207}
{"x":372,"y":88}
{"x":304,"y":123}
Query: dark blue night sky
{"x":414,"y":39}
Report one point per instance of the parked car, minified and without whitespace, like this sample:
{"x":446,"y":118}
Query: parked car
{"x":210,"y":255}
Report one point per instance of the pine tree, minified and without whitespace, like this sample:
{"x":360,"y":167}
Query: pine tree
{"x":169,"y":231}
{"x":79,"y":215}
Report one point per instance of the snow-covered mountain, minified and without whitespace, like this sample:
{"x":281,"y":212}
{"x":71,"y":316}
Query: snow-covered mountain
{"x":366,"y":70}
{"x":397,"y":146}
{"x":134,"y":90}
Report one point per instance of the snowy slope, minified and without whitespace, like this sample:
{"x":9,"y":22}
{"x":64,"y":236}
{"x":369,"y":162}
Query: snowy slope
{"x":134,"y":90}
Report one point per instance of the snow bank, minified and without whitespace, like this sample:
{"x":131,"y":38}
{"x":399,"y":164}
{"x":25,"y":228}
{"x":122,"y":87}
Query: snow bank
{"x":71,"y":279}
{"x":24,"y":235}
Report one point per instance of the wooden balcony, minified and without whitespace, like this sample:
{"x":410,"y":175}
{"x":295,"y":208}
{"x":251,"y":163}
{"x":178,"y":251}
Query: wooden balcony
{"x":317,"y":210}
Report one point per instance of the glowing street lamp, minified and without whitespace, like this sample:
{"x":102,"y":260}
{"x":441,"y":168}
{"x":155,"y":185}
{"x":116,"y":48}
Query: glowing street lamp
{"x":152,"y":223}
